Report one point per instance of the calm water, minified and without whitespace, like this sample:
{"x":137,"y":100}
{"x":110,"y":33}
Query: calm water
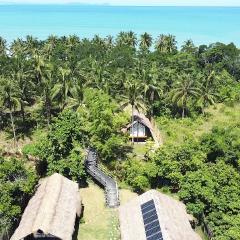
{"x":201,"y":24}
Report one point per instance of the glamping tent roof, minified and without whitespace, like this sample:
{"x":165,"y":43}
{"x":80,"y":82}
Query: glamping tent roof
{"x":52,"y":209}
{"x":146,"y":122}
{"x":172,"y":216}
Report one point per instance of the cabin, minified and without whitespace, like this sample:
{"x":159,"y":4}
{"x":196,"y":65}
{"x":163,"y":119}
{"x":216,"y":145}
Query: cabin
{"x":141,"y":129}
{"x":52,"y":212}
{"x":155,"y":216}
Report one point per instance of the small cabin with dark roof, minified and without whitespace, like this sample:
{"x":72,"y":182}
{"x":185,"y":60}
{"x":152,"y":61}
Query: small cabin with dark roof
{"x":141,"y":129}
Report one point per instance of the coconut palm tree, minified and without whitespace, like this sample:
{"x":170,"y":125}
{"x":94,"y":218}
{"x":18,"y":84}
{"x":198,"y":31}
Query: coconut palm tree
{"x":152,"y":88}
{"x":22,"y":78}
{"x":145,"y":42}
{"x":185,"y":89}
{"x":133,"y":95}
{"x":127,"y":39}
{"x":39,"y":64}
{"x":166,"y":43}
{"x":207,"y":92}
{"x":131,"y":39}
{"x":45,"y":87}
{"x":17,"y":48}
{"x":10,"y":101}
{"x":109,"y":41}
{"x":49,"y":46}
{"x":3,"y":47}
{"x":171,"y":43}
{"x":62,"y":89}
{"x":31,"y":45}
{"x":189,"y":47}
{"x":161,"y":43}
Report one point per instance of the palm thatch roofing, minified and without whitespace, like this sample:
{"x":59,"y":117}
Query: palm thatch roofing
{"x":141,"y":118}
{"x":52,"y":210}
{"x":172,"y":215}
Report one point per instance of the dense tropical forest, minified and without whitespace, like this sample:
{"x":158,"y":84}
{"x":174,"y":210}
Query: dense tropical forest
{"x":67,"y":93}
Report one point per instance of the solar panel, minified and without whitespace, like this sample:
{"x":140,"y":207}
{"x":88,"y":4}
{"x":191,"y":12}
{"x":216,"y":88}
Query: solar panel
{"x":151,"y":221}
{"x":149,"y":214}
{"x":151,"y":225}
{"x":146,"y":209}
{"x":148,"y":220}
{"x":146,"y":204}
{"x":156,"y":236}
{"x":153,"y":231}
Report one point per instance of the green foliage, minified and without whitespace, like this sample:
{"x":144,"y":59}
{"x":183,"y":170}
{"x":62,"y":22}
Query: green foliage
{"x":104,"y":122}
{"x":206,"y":176}
{"x":17,"y":183}
{"x":39,"y":79}
{"x":74,"y":88}
{"x":62,"y":150}
{"x":137,"y":174}
{"x":96,"y":124}
{"x":29,"y":149}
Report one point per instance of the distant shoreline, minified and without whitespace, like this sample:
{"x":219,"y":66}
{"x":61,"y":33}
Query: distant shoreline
{"x":113,"y":5}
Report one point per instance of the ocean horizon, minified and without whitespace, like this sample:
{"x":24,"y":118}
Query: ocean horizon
{"x":203,"y":25}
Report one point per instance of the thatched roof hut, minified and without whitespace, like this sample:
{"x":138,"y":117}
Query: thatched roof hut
{"x":52,"y":210}
{"x":170,"y":215}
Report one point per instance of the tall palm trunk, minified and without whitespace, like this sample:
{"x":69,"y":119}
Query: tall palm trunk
{"x":132,"y":123}
{"x":23,"y":114}
{"x":13,"y":129}
{"x":48,"y":110}
{"x":183,"y":112}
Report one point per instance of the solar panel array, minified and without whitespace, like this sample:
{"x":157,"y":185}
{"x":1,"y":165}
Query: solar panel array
{"x":151,"y":221}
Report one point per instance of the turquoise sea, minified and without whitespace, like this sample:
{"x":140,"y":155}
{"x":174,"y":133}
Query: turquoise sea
{"x":201,"y":24}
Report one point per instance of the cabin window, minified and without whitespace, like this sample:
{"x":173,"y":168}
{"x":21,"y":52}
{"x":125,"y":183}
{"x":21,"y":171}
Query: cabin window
{"x":137,"y":130}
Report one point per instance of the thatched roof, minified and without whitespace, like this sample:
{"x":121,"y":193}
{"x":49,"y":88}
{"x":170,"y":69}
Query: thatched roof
{"x":52,"y":209}
{"x":140,"y":117}
{"x":172,"y":215}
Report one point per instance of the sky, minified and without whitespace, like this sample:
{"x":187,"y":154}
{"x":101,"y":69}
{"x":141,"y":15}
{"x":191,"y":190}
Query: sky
{"x":136,"y":2}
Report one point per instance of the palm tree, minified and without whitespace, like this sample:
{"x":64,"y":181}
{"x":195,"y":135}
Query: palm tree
{"x":161,"y":43}
{"x":183,"y":91}
{"x":38,"y":65}
{"x":166,"y":43}
{"x":131,"y":39}
{"x":77,"y":98}
{"x":145,"y":42}
{"x":9,"y":99}
{"x":62,"y":89}
{"x":152,"y":89}
{"x":189,"y":47}
{"x":171,"y":43}
{"x":31,"y":45}
{"x":133,"y":95}
{"x":127,"y":39}
{"x":3,"y":47}
{"x":109,"y":41}
{"x":49,"y":46}
{"x":207,"y":95}
{"x":98,"y":41}
{"x":21,"y":75}
{"x":18,"y":47}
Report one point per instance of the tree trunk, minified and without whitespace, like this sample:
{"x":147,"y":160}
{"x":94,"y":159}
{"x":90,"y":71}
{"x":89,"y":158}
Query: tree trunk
{"x":183,"y":112}
{"x":132,"y":123}
{"x":23,"y":114}
{"x":48,"y":110}
{"x":13,"y":129}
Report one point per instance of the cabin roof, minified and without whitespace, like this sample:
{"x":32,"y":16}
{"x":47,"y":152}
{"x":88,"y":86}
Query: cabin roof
{"x":52,"y":209}
{"x":172,"y":216}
